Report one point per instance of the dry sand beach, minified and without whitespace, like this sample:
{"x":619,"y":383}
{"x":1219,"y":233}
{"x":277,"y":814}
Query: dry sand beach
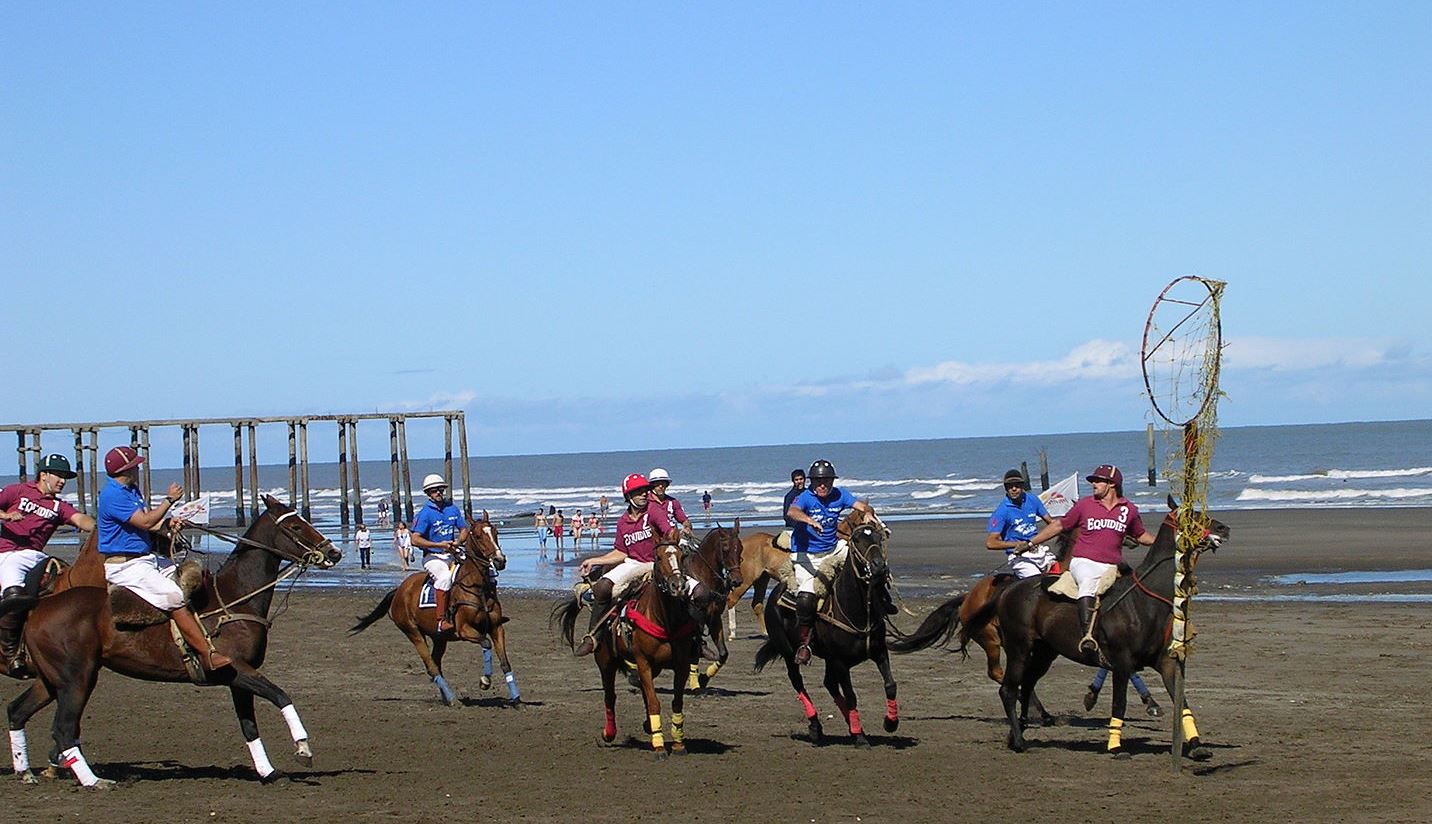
{"x":1314,"y":712}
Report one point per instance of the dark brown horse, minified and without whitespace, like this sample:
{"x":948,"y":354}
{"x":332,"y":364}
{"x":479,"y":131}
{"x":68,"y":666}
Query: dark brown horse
{"x":1132,"y":631}
{"x":476,"y":613}
{"x":71,"y":634}
{"x":716,"y":566}
{"x":848,"y":630}
{"x":659,"y":633}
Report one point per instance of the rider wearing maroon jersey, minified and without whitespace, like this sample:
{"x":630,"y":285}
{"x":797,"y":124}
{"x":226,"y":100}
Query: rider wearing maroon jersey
{"x":1103,"y":520}
{"x":675,"y":513}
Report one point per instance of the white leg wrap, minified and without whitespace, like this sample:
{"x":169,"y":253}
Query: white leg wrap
{"x":295,"y":726}
{"x":260,"y":756}
{"x":75,"y":760}
{"x":19,"y":751}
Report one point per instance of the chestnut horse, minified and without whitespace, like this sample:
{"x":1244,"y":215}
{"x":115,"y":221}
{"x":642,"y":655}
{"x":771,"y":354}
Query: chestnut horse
{"x":476,"y":613}
{"x":71,"y":634}
{"x":1132,"y":630}
{"x":762,"y":562}
{"x":663,"y":635}
{"x":849,"y":629}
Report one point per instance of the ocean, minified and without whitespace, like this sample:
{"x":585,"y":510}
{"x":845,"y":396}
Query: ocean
{"x":1350,"y":464}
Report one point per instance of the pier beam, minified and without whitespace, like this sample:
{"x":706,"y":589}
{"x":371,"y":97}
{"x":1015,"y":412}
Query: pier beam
{"x":394,"y":503}
{"x":93,"y":469}
{"x":343,"y":471}
{"x":24,"y":474}
{"x":1153,"y":473}
{"x":462,"y":455}
{"x":148,"y":463}
{"x":357,"y":482}
{"x":239,"y":518}
{"x":407,"y":471}
{"x":1043,"y":470}
{"x":80,"y":471}
{"x":292,"y":465}
{"x":307,"y":511}
{"x":253,"y":471}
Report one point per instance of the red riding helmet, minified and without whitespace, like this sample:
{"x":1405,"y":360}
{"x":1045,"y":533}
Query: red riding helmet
{"x":1107,"y":472}
{"x":634,"y":483}
{"x":121,"y":459}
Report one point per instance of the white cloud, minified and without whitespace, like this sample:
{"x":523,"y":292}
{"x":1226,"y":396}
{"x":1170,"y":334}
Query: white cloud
{"x":1293,"y":354}
{"x":1094,"y":360}
{"x":439,"y":400}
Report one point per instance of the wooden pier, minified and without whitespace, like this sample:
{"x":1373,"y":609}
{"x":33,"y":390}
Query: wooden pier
{"x":87,"y":457}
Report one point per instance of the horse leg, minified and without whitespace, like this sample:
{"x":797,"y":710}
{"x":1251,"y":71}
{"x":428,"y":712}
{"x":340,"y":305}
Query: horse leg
{"x":681,"y":668}
{"x":1039,"y":662}
{"x":1009,"y":691}
{"x":758,"y":602}
{"x":499,"y":646}
{"x":1116,"y":718}
{"x":432,"y":662}
{"x":24,"y":707}
{"x":892,"y":707}
{"x":248,"y":725}
{"x":71,"y":697}
{"x":247,"y":679}
{"x":1193,"y":746}
{"x":653,"y":705}
{"x":837,"y":683}
{"x":699,"y":677}
{"x":988,"y":639}
{"x":608,"y":669}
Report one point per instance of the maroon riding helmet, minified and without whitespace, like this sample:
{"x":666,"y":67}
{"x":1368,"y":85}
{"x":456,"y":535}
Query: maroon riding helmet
{"x":121,"y":459}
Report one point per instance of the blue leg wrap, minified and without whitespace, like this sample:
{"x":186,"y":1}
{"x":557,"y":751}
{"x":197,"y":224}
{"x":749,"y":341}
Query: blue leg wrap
{"x":512,"y":687}
{"x":444,"y":690}
{"x":487,"y":662}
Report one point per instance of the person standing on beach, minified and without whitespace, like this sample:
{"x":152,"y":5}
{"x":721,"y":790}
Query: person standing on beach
{"x":438,"y":530}
{"x":29,"y":515}
{"x":539,"y":522}
{"x":577,"y":522}
{"x":1014,"y":522}
{"x":706,"y":501}
{"x":798,"y":485}
{"x":660,"y":482}
{"x":1103,"y":520}
{"x":403,"y":544}
{"x":558,"y":525}
{"x":364,"y":541}
{"x":382,"y":512}
{"x":594,"y":529}
{"x":816,"y":550}
{"x":603,"y":506}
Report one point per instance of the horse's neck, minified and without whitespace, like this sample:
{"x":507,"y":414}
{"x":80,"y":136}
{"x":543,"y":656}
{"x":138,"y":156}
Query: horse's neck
{"x":853,"y":594}
{"x":656,"y":605}
{"x":1156,"y":570}
{"x":87,"y":570}
{"x":248,"y":569}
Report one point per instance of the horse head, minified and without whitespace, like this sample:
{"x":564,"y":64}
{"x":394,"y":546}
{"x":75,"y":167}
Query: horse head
{"x":667,"y":572}
{"x":867,"y":552}
{"x":297,"y":540}
{"x":720,"y":554}
{"x":1207,"y":533}
{"x":858,"y":518}
{"x":482,"y":542}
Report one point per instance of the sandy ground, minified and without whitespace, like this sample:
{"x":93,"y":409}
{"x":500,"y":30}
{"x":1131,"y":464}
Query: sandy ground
{"x":1312,"y":711}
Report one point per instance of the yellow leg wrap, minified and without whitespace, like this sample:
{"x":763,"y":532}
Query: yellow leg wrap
{"x":693,"y":682}
{"x":1116,"y":733}
{"x":678,"y":733}
{"x":657,"y":741}
{"x":1190,"y":731}
{"x":711,"y":670}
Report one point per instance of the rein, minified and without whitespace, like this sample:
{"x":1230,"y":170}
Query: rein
{"x":718,"y":569}
{"x":295,"y":569}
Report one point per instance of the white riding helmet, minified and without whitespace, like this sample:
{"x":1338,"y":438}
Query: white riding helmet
{"x":657,"y":475}
{"x":434,"y":480}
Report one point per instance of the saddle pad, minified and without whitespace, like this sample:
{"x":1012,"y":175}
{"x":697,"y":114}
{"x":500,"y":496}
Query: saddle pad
{"x":782,"y":540}
{"x":129,"y":610}
{"x":1067,"y":587}
{"x":427,"y":598}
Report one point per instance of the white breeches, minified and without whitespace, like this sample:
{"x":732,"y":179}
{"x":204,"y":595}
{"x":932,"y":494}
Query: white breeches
{"x":1089,"y":574}
{"x":1034,"y":562}
{"x":629,"y":574}
{"x":151,"y":578}
{"x":15,"y":565}
{"x":439,"y":568}
{"x":815,"y":570}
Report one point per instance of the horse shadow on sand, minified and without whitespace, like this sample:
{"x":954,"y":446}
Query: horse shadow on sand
{"x":894,"y":742}
{"x":695,"y":746}
{"x":134,"y":773}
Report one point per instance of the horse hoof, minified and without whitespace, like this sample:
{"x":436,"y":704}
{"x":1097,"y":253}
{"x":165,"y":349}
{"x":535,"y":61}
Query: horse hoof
{"x":1016,"y":744}
{"x":303,"y":752}
{"x":484,"y":683}
{"x":271,"y":778}
{"x":1154,"y":710}
{"x":50,"y":773}
{"x":861,"y":742}
{"x":892,"y":724}
{"x":514,"y":702}
{"x":816,"y":733}
{"x":102,"y":784}
{"x":662,"y":755}
{"x":1195,"y":751}
{"x":678,"y":749}
{"x":28,"y":777}
{"x":1120,"y":754}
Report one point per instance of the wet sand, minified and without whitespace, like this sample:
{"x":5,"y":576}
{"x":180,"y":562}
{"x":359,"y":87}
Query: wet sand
{"x":1314,"y":712}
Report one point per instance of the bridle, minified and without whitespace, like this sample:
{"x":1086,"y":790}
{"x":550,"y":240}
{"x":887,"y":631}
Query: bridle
{"x":720,"y":570}
{"x":1208,"y":541}
{"x":674,"y":582}
{"x":298,"y":563}
{"x":862,"y":566}
{"x":485,"y":564}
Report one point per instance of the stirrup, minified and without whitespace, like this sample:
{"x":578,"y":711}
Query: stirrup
{"x":1088,"y":644}
{"x":587,"y":646}
{"x":803,"y":654}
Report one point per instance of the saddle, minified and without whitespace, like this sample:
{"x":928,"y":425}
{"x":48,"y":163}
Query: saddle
{"x":1065,"y":587}
{"x":132,"y":612}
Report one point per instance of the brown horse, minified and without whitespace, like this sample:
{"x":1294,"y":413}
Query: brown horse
{"x":476,"y":613}
{"x":715,"y":565}
{"x":71,"y":634}
{"x":658,"y":633}
{"x":763,"y":562}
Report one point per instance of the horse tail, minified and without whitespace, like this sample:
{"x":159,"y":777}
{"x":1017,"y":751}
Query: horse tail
{"x":778,"y":643}
{"x":978,"y":621}
{"x":565,"y":616}
{"x":773,"y":648}
{"x":937,"y":628}
{"x":367,"y":620}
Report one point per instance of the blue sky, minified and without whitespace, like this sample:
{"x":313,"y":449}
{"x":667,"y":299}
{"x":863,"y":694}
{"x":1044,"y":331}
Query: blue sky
{"x":649,"y":226}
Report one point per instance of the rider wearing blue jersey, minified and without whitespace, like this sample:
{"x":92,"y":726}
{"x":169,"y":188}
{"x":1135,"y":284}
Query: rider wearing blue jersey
{"x":816,"y":550}
{"x":1014,"y":522}
{"x":438,"y":529}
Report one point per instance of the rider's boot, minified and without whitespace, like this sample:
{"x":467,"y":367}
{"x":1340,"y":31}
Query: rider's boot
{"x":805,"y":622}
{"x":440,"y":597}
{"x":10,"y":626}
{"x":197,"y":641}
{"x":1086,"y":621}
{"x":600,"y":607}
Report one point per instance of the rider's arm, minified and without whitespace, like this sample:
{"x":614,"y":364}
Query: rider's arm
{"x":421,"y":542}
{"x":798,"y":515}
{"x":1048,"y":533}
{"x":82,"y":522}
{"x":614,"y":556}
{"x":150,"y":519}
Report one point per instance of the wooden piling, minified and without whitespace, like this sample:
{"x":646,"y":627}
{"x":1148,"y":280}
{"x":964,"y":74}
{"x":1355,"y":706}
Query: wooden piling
{"x":292,"y":465}
{"x":343,"y":471}
{"x":148,"y":462}
{"x":357,"y":482}
{"x":1043,"y":470}
{"x":1024,"y":471}
{"x":80,"y":470}
{"x":394,"y":505}
{"x":24,"y":474}
{"x":447,"y":449}
{"x":462,"y":455}
{"x":253,"y":471}
{"x":1153,"y":472}
{"x":239,"y":518}
{"x":35,"y":449}
{"x":407,"y":471}
{"x":198,"y":481}
{"x":307,"y":511}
